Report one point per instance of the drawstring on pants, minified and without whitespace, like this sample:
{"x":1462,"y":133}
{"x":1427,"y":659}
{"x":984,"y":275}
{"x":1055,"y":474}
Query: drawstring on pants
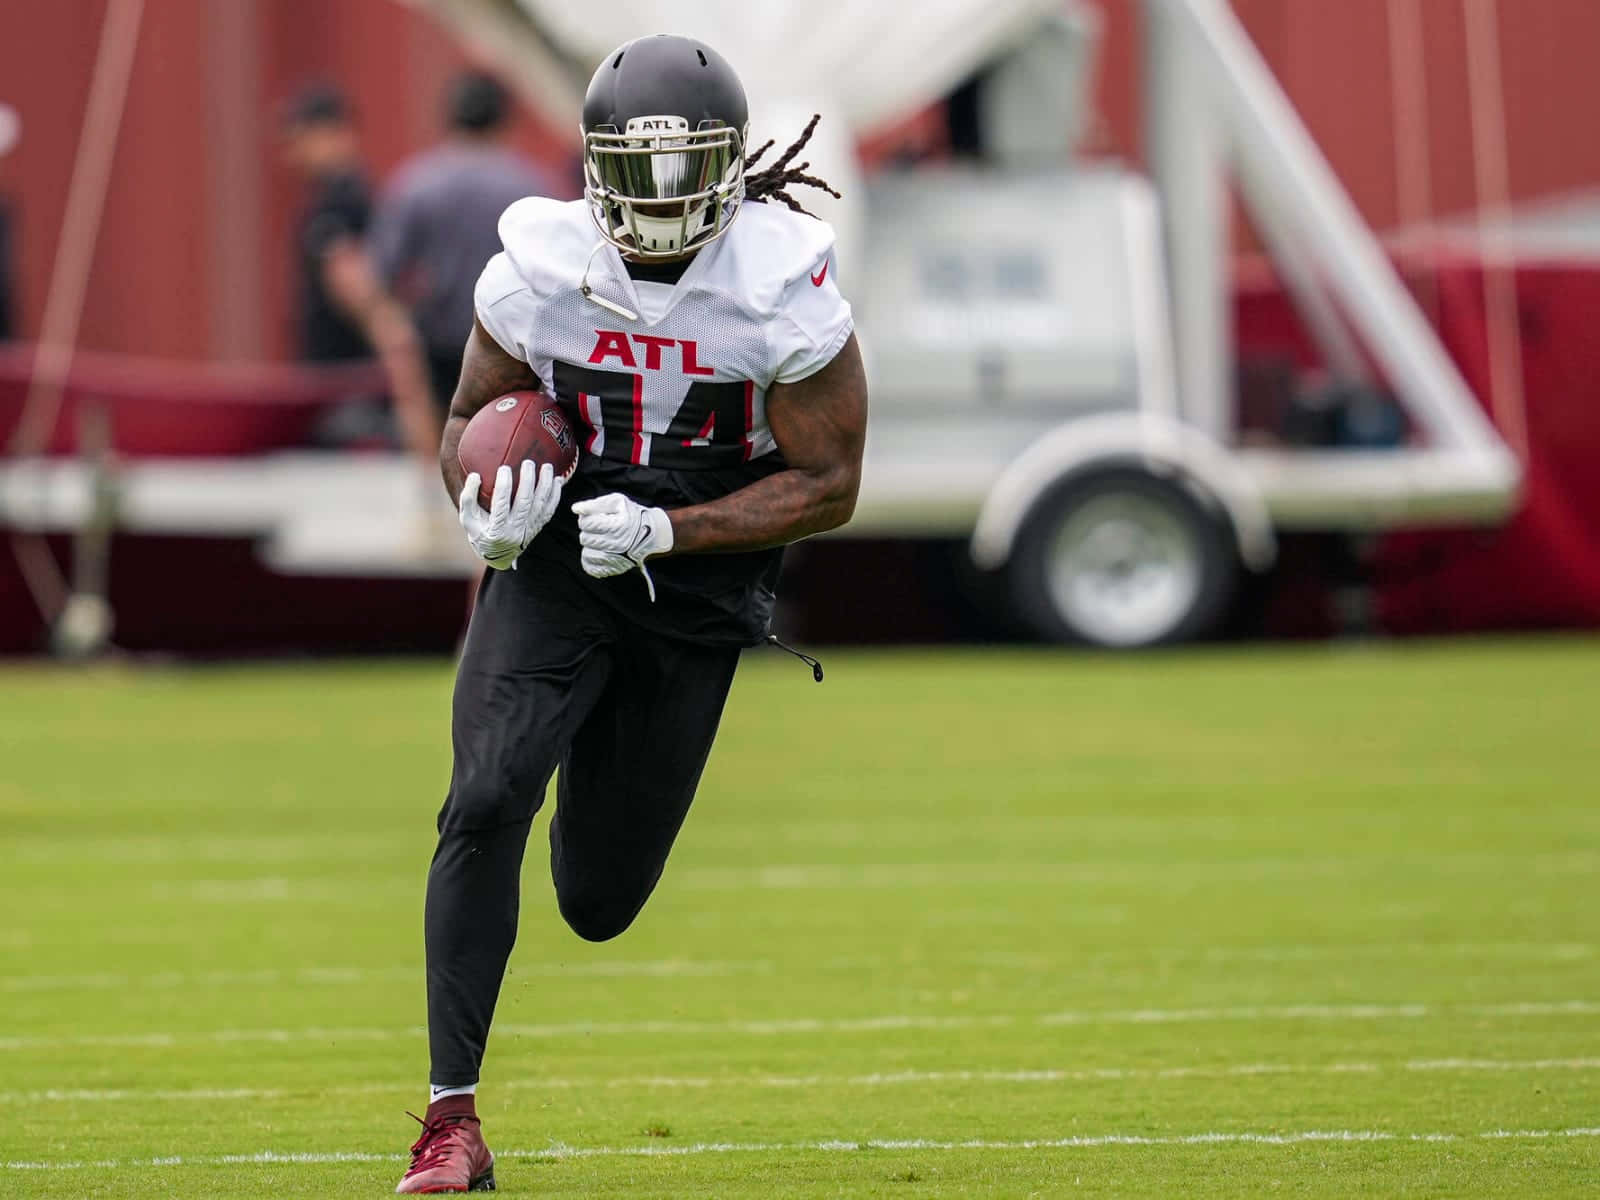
{"x":816,"y":667}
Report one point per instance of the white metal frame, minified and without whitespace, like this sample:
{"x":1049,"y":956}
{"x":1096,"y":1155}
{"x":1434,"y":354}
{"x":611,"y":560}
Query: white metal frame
{"x":1213,"y":104}
{"x":1213,"y":107}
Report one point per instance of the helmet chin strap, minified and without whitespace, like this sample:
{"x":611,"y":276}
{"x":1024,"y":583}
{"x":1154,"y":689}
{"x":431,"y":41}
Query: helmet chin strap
{"x":660,"y":234}
{"x":588,"y":292}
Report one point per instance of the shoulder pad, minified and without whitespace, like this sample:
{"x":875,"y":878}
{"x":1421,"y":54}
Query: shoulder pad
{"x":770,"y":246}
{"x":548,"y":241}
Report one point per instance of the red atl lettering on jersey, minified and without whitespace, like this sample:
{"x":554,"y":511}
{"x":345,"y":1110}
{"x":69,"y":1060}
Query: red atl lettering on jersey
{"x":611,"y":344}
{"x":652,"y":349}
{"x":691,"y":360}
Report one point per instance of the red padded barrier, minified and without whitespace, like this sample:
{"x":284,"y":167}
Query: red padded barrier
{"x":1543,"y":567}
{"x":176,"y":409}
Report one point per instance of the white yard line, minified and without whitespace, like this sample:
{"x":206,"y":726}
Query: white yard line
{"x":563,"y":1152}
{"x":802,"y":1025}
{"x":1500,"y":1064}
{"x":1247,"y":1012}
{"x":695,"y":968}
{"x":299,"y":976}
{"x":1557,"y":951}
{"x":1536,"y":1008}
{"x":833,"y":876}
{"x":50,"y":850}
{"x":884,"y":1079}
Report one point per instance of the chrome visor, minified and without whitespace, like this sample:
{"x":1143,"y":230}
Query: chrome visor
{"x":644,"y":165}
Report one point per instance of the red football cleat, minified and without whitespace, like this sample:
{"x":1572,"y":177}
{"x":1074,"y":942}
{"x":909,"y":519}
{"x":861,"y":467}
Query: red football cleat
{"x":450,"y":1155}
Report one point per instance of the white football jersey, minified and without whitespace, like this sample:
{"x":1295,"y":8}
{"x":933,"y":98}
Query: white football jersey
{"x":683,"y":385}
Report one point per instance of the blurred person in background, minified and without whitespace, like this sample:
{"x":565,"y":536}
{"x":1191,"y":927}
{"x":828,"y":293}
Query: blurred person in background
{"x":437,"y":224}
{"x":345,"y":314}
{"x":10,"y":130}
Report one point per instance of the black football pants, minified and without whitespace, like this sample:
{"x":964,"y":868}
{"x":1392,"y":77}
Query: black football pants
{"x":550,"y":676}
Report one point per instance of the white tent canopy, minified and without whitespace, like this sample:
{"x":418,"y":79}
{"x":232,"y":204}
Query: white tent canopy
{"x":859,"y":65}
{"x":863,"y":63}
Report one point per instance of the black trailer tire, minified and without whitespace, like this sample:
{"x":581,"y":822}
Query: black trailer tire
{"x":1121,"y":558}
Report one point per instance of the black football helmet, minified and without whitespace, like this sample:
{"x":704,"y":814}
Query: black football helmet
{"x":664,"y":129}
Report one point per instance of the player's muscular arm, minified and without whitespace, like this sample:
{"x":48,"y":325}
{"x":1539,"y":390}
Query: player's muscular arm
{"x":487,"y":371}
{"x":820,"y":425}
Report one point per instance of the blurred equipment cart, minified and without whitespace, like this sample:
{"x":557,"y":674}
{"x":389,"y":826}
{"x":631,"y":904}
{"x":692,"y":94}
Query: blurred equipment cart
{"x":1053,"y":372}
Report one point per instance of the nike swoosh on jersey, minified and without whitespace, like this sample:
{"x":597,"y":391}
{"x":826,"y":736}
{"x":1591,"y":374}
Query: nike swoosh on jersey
{"x":817,"y":279}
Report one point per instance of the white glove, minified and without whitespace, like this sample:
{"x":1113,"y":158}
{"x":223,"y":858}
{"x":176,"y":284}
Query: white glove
{"x":503,"y":533}
{"x":618,"y":535}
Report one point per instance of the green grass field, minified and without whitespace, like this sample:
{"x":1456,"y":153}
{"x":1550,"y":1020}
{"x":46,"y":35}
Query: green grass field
{"x":1316,"y":921}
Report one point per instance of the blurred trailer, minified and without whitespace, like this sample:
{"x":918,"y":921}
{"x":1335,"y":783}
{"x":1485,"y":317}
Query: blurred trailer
{"x":1054,"y":372}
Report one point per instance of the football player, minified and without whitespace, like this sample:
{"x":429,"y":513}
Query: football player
{"x":686,"y":315}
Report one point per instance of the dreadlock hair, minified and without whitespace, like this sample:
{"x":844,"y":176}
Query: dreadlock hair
{"x":772,"y":181}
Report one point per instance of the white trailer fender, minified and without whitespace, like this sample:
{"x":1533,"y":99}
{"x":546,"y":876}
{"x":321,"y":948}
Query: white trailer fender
{"x":1148,"y":441}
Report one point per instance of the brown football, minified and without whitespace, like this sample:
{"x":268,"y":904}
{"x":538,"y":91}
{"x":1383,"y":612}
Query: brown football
{"x":511,"y":428}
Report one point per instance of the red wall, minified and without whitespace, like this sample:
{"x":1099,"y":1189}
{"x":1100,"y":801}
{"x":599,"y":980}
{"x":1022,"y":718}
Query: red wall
{"x":1334,"y":60}
{"x":192,"y":258}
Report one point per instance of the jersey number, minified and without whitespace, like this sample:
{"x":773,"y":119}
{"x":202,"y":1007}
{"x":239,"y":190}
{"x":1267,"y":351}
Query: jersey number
{"x":710,"y":429}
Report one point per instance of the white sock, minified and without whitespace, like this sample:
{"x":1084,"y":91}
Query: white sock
{"x":436,"y":1092}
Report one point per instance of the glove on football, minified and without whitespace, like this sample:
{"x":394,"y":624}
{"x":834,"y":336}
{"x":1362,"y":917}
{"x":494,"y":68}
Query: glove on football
{"x":500,"y":535}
